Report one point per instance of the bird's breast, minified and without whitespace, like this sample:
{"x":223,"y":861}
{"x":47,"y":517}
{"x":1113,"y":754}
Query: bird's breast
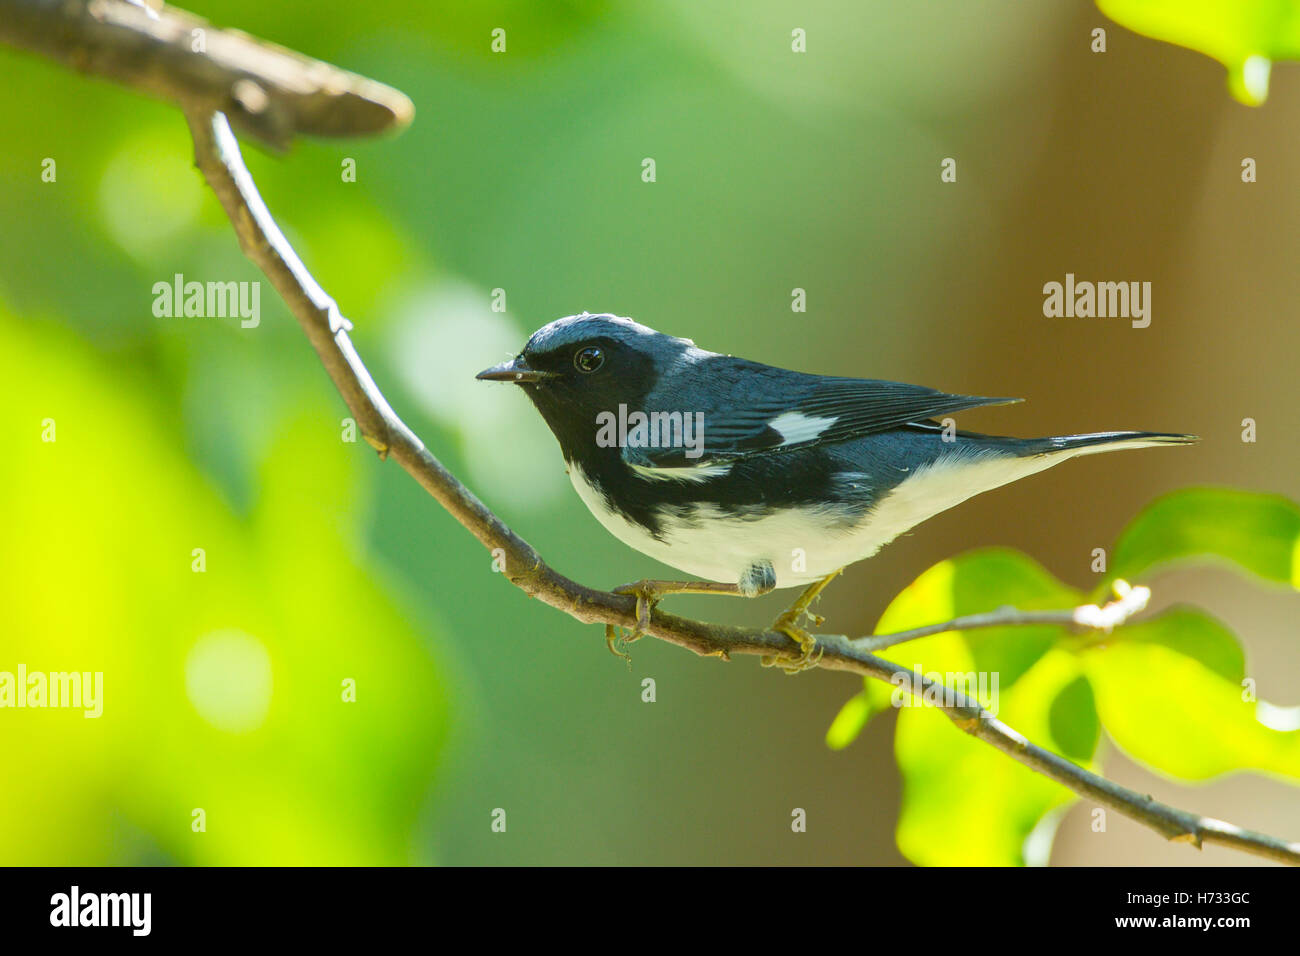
{"x":708,"y":540}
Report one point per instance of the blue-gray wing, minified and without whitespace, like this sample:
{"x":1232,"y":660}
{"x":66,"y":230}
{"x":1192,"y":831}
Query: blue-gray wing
{"x":748,"y":409}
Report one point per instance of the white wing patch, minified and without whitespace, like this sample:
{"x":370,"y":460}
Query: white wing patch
{"x":796,"y":427}
{"x":687,"y":473}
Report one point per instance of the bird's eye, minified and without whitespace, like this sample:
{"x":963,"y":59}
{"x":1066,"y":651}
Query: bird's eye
{"x":589,"y":359}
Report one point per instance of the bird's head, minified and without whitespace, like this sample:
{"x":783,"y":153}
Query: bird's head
{"x":582,"y":365}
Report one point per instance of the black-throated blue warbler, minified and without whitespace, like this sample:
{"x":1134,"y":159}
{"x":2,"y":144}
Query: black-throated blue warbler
{"x":755,"y":477}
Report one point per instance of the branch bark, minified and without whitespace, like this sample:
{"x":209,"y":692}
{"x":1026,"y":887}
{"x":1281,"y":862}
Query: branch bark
{"x":268,"y":92}
{"x":217,"y":157}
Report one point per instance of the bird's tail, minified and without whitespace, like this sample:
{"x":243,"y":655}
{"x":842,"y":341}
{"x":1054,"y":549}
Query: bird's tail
{"x":1098,"y":442}
{"x":983,"y":462}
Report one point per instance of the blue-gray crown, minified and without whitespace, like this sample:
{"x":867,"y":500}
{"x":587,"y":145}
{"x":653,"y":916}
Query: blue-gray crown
{"x":573,"y":329}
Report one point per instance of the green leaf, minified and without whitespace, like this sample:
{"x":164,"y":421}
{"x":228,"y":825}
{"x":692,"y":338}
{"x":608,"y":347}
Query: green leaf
{"x":1246,"y":36}
{"x":1181,"y":715}
{"x":1258,"y":532}
{"x":963,"y":801}
{"x":973,"y":583}
{"x":970,"y":583}
{"x":848,"y":723}
{"x":1073,"y":720}
{"x":966,"y":803}
{"x":875,"y":698}
{"x":1168,"y":690}
{"x":1186,"y":631}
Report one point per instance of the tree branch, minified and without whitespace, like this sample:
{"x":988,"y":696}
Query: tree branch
{"x":267,"y":91}
{"x":218,"y":158}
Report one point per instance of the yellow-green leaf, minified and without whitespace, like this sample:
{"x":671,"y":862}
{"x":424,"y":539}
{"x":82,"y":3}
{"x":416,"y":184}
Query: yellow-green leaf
{"x":966,"y":803}
{"x":970,"y":583}
{"x":1246,"y":36}
{"x":1257,"y":532}
{"x":1169,"y":710}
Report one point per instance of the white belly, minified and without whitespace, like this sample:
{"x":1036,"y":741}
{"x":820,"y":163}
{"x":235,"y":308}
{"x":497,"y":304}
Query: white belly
{"x":705,"y":542}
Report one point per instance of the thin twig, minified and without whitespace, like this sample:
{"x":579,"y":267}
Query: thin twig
{"x":1129,"y":601}
{"x":218,"y":158}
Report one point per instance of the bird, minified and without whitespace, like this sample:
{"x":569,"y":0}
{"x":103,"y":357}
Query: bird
{"x":750,"y":477}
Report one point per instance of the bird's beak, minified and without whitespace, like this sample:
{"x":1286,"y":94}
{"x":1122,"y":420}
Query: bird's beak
{"x":516,"y":370}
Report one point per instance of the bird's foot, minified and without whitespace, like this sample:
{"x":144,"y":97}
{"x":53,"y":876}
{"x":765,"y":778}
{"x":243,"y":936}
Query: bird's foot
{"x":810,"y":652}
{"x":616,"y":640}
{"x":647,"y":594}
{"x":790,"y":624}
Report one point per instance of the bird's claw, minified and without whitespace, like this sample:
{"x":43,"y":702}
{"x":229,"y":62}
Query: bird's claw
{"x":614,"y":640}
{"x":647,"y":596}
{"x":810,"y":652}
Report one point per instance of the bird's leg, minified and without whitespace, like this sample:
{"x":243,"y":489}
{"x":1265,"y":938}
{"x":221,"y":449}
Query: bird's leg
{"x":758,"y":578}
{"x":650,"y":592}
{"x":789,"y":623}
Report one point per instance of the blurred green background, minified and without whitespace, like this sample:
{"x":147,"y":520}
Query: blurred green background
{"x":522,"y":172}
